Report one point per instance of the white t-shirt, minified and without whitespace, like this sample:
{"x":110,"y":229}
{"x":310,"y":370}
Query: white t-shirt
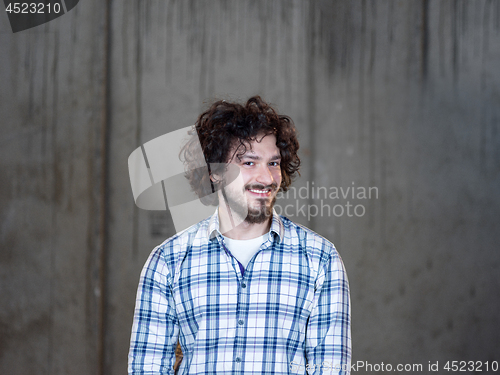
{"x":244,"y":250}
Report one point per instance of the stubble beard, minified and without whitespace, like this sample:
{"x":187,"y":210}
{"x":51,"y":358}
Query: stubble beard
{"x":256,"y":214}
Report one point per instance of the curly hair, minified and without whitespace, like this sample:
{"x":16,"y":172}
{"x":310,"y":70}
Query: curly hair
{"x":229,"y":126}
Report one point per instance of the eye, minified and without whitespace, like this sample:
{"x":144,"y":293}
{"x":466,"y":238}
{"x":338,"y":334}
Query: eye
{"x":249,"y":163}
{"x":274,"y":164}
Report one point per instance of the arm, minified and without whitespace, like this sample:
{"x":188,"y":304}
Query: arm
{"x":328,"y":336}
{"x":155,"y":329}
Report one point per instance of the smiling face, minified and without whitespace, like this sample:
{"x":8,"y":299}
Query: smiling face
{"x":260,"y":170}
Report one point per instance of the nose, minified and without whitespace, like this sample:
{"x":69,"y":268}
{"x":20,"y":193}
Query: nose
{"x":265,"y":177}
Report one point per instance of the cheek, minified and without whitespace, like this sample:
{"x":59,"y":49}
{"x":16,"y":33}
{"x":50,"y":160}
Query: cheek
{"x":237,"y":187}
{"x":277,"y":177}
{"x":246,"y":177}
{"x":239,"y":178}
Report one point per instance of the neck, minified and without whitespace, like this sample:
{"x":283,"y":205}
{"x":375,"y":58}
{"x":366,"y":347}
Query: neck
{"x":239,"y":229}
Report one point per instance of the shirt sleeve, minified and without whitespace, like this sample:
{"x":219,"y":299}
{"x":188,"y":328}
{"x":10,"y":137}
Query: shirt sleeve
{"x":155,"y":329}
{"x":328,"y":335}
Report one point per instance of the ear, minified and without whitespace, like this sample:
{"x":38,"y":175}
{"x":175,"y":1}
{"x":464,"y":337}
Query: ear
{"x":213,"y":182}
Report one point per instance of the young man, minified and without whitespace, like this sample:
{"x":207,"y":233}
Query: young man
{"x":245,"y":291}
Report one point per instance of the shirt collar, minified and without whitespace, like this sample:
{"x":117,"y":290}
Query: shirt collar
{"x":277,"y":226}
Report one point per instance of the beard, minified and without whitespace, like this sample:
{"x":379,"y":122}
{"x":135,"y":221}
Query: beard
{"x":257,"y":213}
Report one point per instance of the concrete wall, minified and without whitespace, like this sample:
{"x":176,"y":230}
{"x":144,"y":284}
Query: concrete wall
{"x":52,"y":85}
{"x":400,"y":96}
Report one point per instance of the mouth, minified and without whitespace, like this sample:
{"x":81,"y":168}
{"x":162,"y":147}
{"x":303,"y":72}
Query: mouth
{"x":263,"y":193}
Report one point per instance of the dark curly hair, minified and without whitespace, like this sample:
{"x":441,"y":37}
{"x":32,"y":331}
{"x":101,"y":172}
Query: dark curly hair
{"x":219,"y":130}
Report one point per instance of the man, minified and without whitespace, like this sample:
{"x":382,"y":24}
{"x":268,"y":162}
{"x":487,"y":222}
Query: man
{"x":245,"y":291}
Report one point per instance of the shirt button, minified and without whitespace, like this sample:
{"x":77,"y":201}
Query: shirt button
{"x":240,"y":322}
{"x":243,"y":285}
{"x":238,"y":359}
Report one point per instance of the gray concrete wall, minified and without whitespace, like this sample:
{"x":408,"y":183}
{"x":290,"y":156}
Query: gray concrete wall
{"x":400,"y":96}
{"x":51,"y":116}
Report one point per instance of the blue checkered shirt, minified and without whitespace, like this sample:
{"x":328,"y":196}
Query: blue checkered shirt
{"x":289,"y":313}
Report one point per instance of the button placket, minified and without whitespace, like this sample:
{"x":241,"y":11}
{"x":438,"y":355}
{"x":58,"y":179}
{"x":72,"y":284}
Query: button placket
{"x":241,"y":315}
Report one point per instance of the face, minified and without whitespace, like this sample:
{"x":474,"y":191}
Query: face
{"x":260,"y":170}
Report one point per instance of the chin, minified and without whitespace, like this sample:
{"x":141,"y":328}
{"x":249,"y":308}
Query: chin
{"x":259,"y":216}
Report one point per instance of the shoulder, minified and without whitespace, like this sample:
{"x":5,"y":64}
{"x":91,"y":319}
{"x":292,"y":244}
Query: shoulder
{"x":314,"y":242}
{"x":318,"y":249}
{"x":323,"y":258}
{"x":167,"y":257}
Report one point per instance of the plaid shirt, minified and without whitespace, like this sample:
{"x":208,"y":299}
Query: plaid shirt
{"x":288,"y":314}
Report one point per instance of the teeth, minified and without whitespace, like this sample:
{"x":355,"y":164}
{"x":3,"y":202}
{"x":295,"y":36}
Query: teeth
{"x":259,"y":191}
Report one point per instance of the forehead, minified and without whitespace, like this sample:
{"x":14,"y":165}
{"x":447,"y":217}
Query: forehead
{"x":264,"y":146}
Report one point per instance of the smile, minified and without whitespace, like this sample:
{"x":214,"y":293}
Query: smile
{"x":260,"y":191}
